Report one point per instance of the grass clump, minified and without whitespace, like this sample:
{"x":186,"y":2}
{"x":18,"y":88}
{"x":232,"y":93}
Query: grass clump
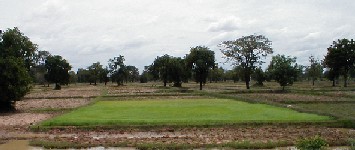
{"x":313,"y":143}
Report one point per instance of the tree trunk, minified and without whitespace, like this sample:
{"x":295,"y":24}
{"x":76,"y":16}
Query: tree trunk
{"x":247,"y":84}
{"x":345,"y":80}
{"x":333,"y":82}
{"x":57,"y":86}
{"x":313,"y":81}
{"x":200,"y":85}
{"x":165,"y":83}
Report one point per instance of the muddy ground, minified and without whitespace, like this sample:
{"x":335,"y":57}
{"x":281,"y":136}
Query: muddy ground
{"x":44,"y":103}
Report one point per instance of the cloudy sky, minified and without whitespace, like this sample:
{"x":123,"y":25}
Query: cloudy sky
{"x":87,"y":31}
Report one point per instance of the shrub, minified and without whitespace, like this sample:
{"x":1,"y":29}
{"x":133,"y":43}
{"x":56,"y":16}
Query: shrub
{"x":313,"y":143}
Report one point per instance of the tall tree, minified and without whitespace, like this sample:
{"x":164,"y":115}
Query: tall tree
{"x":283,"y":69}
{"x":201,"y":59}
{"x":247,"y":52}
{"x":95,"y":69}
{"x":341,"y":58}
{"x":117,"y":69}
{"x":161,"y":67}
{"x":57,"y":71}
{"x":16,"y":53}
{"x":315,"y":69}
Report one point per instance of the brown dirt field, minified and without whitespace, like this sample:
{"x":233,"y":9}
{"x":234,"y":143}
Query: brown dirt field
{"x":290,"y":97}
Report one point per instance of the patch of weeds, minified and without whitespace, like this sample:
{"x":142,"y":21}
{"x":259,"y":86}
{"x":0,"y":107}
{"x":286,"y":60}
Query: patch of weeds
{"x":255,"y":145}
{"x":57,"y":144}
{"x":161,"y":146}
{"x":313,"y":143}
{"x":352,"y":144}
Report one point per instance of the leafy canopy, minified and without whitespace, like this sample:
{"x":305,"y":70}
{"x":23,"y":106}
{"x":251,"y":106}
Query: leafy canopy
{"x":247,"y":52}
{"x":201,"y":59}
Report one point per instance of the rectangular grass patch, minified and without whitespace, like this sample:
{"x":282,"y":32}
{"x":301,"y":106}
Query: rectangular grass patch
{"x":179,"y":112}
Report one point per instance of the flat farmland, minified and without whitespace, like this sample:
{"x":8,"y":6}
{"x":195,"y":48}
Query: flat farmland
{"x":179,"y":112}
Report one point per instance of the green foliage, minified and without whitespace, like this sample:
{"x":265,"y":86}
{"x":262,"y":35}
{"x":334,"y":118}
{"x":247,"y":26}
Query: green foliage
{"x":201,"y":59}
{"x":57,"y":71}
{"x":247,"y":52}
{"x":16,"y":58}
{"x":283,"y":69}
{"x":15,"y":43}
{"x":340,"y":58}
{"x":352,"y":144}
{"x":117,"y":69}
{"x":313,"y":143}
{"x":259,"y":76}
{"x":315,"y":70}
{"x":95,"y":69}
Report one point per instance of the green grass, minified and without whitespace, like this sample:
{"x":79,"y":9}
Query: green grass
{"x":179,"y":112}
{"x":343,"y":111}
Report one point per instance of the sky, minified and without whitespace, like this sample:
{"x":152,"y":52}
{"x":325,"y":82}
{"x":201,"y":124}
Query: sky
{"x":87,"y":31}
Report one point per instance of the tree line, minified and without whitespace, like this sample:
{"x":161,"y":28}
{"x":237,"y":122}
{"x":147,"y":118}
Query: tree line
{"x":22,"y":64}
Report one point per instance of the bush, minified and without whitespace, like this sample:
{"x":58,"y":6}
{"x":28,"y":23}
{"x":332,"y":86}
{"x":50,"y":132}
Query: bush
{"x":313,"y":143}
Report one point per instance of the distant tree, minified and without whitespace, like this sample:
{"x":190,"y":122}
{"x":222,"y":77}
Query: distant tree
{"x":16,"y":58}
{"x":341,"y":58}
{"x":160,"y":66}
{"x":177,"y":71}
{"x":259,"y":76}
{"x":315,"y":69}
{"x":201,"y":59}
{"x":283,"y":69}
{"x":117,"y":69}
{"x":232,"y":75}
{"x":73,"y":78}
{"x":83,"y":75}
{"x":132,"y":73}
{"x":95,"y":69}
{"x":38,"y":70}
{"x":57,"y":71}
{"x":247,"y":52}
{"x":104,"y":75}
{"x":216,"y":74}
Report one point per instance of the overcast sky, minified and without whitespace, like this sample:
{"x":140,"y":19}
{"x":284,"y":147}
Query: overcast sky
{"x":87,"y":31}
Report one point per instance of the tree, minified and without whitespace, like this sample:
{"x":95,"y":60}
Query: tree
{"x":247,"y":52}
{"x":216,"y":74}
{"x":259,"y":76}
{"x":104,"y":75}
{"x":177,"y":71}
{"x":16,"y":44}
{"x":315,"y":70}
{"x":95,"y":69}
{"x":160,"y":66}
{"x":117,"y":69}
{"x":16,"y":51}
{"x":201,"y":59}
{"x":341,"y":58}
{"x":39,"y":70}
{"x":57,"y":71}
{"x":133,"y":73}
{"x":283,"y":69}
